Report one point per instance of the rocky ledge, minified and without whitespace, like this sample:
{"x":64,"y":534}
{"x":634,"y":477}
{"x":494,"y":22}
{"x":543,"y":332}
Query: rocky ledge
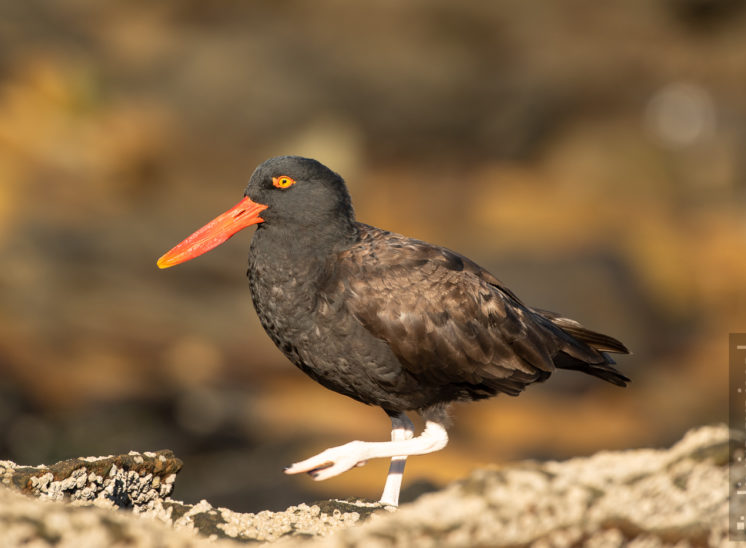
{"x":645,"y":497}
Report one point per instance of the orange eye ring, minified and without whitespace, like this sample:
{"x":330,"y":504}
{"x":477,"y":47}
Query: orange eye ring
{"x":283,"y":181}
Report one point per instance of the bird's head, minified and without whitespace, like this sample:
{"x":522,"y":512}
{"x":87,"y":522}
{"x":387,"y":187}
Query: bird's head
{"x":287,"y":191}
{"x":298,"y":191}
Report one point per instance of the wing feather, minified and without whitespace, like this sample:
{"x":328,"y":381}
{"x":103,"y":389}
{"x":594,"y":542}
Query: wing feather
{"x":446,"y":319}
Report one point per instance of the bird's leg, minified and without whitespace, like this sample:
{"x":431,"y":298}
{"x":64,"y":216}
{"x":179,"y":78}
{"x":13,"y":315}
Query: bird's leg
{"x":401,"y":429}
{"x":336,"y":460}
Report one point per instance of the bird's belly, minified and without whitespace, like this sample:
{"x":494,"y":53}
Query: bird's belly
{"x":331,"y":346}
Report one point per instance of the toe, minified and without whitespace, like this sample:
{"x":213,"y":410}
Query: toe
{"x":330,"y":463}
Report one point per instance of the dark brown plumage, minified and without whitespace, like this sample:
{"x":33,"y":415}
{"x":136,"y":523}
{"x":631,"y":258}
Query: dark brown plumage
{"x":454,"y":327}
{"x":385,"y":319}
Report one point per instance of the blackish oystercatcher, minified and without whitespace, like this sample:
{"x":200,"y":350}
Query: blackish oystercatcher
{"x":385,"y":319}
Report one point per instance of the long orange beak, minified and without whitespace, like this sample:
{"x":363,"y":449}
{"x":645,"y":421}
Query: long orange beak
{"x":244,"y":213}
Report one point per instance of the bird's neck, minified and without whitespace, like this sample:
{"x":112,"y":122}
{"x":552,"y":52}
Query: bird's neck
{"x":287,"y":269}
{"x":290,"y":244}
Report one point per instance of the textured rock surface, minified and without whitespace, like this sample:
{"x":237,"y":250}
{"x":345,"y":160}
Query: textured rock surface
{"x":135,"y":480}
{"x":675,"y":497}
{"x":141,"y":482}
{"x":25,"y":521}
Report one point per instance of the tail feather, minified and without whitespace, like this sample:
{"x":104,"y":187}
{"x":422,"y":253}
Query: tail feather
{"x":589,"y":353}
{"x":603,"y":370}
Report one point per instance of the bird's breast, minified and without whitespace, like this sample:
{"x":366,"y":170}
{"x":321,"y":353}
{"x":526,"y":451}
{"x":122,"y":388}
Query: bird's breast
{"x":309,"y":322}
{"x":283,"y":296}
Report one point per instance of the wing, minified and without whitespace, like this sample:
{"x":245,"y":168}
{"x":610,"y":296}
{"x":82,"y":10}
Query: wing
{"x":446,"y":319}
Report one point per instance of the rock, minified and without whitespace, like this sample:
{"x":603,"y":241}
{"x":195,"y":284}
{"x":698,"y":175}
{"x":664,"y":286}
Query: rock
{"x":644,"y":497}
{"x":141,"y":482}
{"x":25,"y":521}
{"x":134,"y":480}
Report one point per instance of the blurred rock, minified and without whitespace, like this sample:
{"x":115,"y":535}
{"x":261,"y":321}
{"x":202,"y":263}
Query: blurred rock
{"x":644,"y":497}
{"x":590,"y":154}
{"x":28,"y":522}
{"x":647,"y":497}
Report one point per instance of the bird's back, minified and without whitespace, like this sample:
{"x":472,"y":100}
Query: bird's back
{"x":452,"y":324}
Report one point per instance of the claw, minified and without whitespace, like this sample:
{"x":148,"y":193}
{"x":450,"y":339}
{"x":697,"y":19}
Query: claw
{"x":331,"y":462}
{"x":316,"y":471}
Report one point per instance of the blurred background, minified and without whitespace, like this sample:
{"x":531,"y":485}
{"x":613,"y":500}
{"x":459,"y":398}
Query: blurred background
{"x":591,"y":155}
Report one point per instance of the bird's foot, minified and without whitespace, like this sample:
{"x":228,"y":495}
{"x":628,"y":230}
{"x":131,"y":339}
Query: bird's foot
{"x":336,"y":460}
{"x":332,"y":462}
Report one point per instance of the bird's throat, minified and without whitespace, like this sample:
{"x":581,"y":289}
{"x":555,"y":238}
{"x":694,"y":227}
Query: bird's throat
{"x":300,"y":242}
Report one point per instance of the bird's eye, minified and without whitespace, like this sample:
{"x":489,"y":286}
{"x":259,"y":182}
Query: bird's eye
{"x":283,"y":181}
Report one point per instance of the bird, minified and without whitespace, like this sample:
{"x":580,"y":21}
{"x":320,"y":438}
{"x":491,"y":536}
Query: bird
{"x":388,"y":320}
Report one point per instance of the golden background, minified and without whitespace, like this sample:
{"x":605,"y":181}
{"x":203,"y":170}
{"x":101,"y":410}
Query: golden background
{"x":591,"y":155}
